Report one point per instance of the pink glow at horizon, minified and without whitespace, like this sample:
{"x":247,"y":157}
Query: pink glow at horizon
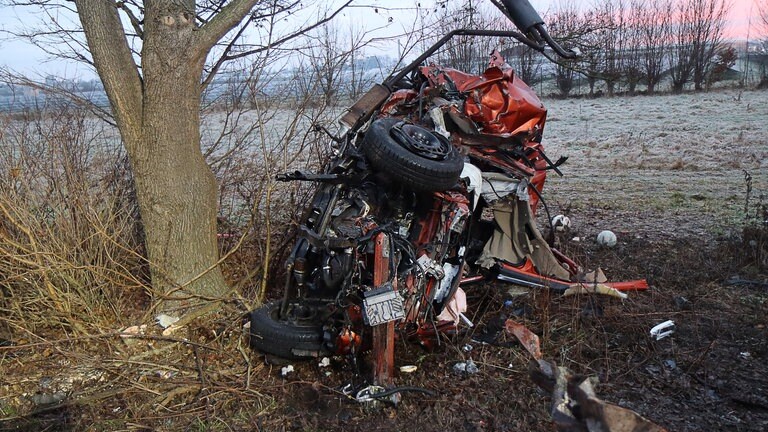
{"x":738,"y":16}
{"x":739,"y":19}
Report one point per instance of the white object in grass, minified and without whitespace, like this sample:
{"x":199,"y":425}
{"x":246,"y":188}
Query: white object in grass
{"x":166,"y":321}
{"x":606,"y":238}
{"x":561,"y":222}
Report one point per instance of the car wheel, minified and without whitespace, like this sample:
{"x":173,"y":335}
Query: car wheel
{"x":296,"y":338}
{"x":412,"y":155}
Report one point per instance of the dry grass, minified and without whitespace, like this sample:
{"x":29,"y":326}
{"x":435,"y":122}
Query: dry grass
{"x":73,"y":276}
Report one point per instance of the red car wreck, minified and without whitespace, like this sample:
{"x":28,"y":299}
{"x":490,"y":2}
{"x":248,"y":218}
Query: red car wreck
{"x":435,"y":182}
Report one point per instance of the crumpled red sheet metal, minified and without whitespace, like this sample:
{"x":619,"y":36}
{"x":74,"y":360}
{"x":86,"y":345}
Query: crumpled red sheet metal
{"x":527,"y":338}
{"x":497,"y":100}
{"x":503,"y":106}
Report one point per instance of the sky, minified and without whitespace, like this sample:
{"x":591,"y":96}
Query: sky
{"x":25,"y":58}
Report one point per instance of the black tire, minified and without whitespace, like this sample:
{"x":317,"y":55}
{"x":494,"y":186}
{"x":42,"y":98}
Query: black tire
{"x":407,"y":166}
{"x":289,"y":340}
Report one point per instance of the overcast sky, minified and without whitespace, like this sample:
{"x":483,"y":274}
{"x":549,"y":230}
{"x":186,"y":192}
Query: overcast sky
{"x":25,"y":58}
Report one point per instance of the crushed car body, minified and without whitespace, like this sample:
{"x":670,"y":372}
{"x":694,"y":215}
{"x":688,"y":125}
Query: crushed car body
{"x":435,"y":182}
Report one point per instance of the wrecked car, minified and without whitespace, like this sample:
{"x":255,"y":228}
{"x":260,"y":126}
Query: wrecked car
{"x":435,"y":183}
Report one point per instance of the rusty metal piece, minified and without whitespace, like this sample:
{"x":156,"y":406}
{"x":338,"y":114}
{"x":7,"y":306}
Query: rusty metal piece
{"x":384,"y":334}
{"x":576,"y":407}
{"x":365,"y":106}
{"x":603,"y":416}
{"x":526,"y":337}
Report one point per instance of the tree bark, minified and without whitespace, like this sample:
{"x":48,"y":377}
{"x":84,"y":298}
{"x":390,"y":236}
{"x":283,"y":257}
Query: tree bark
{"x":175,"y":186}
{"x":158,"y":114}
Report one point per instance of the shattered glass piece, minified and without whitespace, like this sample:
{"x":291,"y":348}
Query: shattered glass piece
{"x":465,"y":368}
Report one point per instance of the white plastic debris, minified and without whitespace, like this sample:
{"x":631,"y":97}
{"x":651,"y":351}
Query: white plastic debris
{"x":466,"y":320}
{"x":449,"y":271}
{"x":170,"y":329}
{"x":437,"y":117}
{"x":497,"y":186}
{"x":469,"y":367}
{"x":286,"y":370}
{"x":454,"y":308}
{"x":745,"y":355}
{"x":660,"y":331}
{"x":606,"y":238}
{"x":166,"y":321}
{"x":325,"y":362}
{"x":561,"y":222}
{"x":368,"y":394}
{"x":408,"y":368}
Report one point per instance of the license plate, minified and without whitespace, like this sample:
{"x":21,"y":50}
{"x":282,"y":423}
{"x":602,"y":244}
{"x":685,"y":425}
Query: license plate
{"x":382,"y":306}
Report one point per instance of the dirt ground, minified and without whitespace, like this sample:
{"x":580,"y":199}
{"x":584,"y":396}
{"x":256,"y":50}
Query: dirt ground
{"x":666,"y":173}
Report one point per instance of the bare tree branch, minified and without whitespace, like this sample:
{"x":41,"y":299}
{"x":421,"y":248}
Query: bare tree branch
{"x":223,"y":58}
{"x":113,"y":60}
{"x":225,"y":20}
{"x":291,"y":36}
{"x":135,"y":22}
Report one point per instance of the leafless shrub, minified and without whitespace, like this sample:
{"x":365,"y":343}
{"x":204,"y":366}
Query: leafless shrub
{"x":69,"y":241}
{"x":653,"y":23}
{"x":526,"y":62}
{"x":698,"y":33}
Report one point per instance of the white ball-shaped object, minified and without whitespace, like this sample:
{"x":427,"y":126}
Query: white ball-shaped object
{"x":561,"y":222}
{"x":606,"y":238}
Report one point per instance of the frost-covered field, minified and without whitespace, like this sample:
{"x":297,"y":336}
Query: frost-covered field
{"x":670,"y":165}
{"x":647,"y":166}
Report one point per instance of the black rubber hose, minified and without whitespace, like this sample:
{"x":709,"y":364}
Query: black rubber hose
{"x":549,"y":216}
{"x":392,"y":391}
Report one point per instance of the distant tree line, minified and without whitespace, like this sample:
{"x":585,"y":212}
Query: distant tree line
{"x":642,"y":41}
{"x":623,"y":43}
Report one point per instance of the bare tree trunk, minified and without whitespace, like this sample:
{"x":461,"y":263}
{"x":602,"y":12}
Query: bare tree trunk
{"x":591,"y":81}
{"x":567,"y":25}
{"x":564,"y":75}
{"x":176,"y":189}
{"x":631,"y":59}
{"x":158,"y":114}
{"x":686,"y":44}
{"x":709,"y":18}
{"x":653,"y":20}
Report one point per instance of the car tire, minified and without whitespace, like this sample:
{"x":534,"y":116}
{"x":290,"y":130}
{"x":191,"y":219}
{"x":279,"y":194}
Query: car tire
{"x":282,"y":338}
{"x":421,"y":171}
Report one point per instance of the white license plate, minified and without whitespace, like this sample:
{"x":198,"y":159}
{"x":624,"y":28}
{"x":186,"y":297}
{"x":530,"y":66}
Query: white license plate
{"x":383,"y":307}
